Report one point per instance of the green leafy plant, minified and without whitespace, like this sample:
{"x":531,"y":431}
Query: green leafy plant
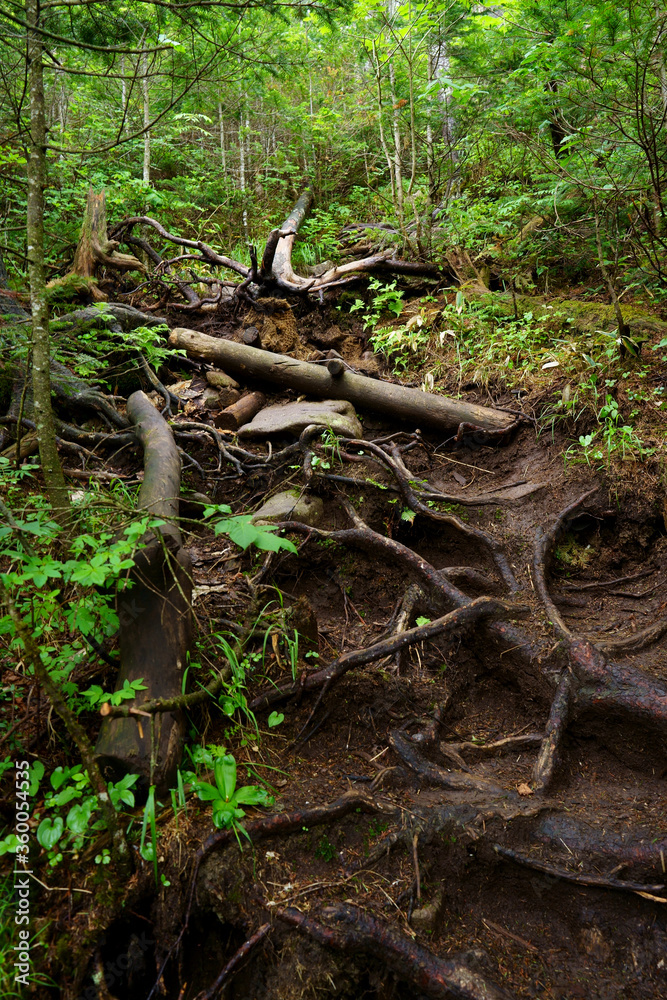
{"x":70,"y":787}
{"x":383,"y":298}
{"x":148,"y":849}
{"x":292,"y":647}
{"x":244,"y":533}
{"x":226,"y":798}
{"x":98,"y":696}
{"x":325,"y":849}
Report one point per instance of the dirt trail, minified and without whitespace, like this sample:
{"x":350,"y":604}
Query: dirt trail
{"x":497,"y":822}
{"x":490,"y":876}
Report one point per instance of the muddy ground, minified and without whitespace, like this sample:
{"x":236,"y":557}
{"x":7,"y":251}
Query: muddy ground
{"x":428,"y":861}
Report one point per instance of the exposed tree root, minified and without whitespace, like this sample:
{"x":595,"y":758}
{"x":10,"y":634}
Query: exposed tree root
{"x":599,"y":881}
{"x":559,"y":714}
{"x":276,"y":825}
{"x":456,"y":780}
{"x":404,"y":477}
{"x":545,"y":543}
{"x":234,"y":962}
{"x":469,"y":614}
{"x":354,"y":930}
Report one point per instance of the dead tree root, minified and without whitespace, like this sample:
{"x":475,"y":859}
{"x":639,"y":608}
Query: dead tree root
{"x":350,"y":929}
{"x":235,"y":961}
{"x":465,"y":616}
{"x":598,"y":881}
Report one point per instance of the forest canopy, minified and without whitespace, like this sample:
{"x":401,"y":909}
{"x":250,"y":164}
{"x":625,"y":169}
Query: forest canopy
{"x":434,"y":115}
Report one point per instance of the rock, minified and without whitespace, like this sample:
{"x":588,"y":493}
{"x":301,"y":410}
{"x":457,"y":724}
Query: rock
{"x":192,"y":505}
{"x":426,"y":918}
{"x":251,"y":337}
{"x":229,"y":396}
{"x":336,"y":414}
{"x":210,"y":397}
{"x":290,"y":506}
{"x":221,"y":380}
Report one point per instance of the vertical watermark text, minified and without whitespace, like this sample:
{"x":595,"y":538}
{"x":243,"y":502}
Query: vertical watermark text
{"x":22,"y":873}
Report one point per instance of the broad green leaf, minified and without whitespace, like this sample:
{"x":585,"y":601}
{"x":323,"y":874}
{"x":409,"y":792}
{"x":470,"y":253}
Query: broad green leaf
{"x":65,"y":796}
{"x":57,"y":778}
{"x":225,"y":775}
{"x":252,"y":795}
{"x":207,"y":792}
{"x":50,"y":831}
{"x":9,"y":844}
{"x":79,"y":815}
{"x":36,"y":773}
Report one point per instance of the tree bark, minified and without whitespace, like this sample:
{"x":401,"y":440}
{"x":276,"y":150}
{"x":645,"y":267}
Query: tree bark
{"x":95,"y":248}
{"x":41,"y":380}
{"x":147,"y":119}
{"x":280,"y":265}
{"x":241,"y":412}
{"x":155,"y":619}
{"x":412,"y":405}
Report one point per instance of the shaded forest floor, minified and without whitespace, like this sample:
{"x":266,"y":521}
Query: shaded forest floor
{"x":481,"y":868}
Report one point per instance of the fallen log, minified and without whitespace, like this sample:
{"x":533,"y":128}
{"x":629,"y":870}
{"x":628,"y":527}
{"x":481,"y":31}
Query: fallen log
{"x":155,"y":619}
{"x":241,"y":412}
{"x":412,"y":405}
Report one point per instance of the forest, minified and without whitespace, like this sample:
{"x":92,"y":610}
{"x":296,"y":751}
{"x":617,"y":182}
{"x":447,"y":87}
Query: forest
{"x":333,"y":499}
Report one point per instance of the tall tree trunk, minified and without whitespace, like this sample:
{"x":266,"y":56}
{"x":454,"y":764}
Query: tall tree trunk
{"x":123,"y":91}
{"x":383,"y":141}
{"x":439,"y":66}
{"x":223,"y":153}
{"x":398,"y":171}
{"x":147,"y":118}
{"x":242,"y":170}
{"x":430,"y":152}
{"x":555,"y":124}
{"x":41,"y":376}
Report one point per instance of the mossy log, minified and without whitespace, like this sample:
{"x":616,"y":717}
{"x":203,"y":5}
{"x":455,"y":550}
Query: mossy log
{"x":155,"y":619}
{"x":421,"y":409}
